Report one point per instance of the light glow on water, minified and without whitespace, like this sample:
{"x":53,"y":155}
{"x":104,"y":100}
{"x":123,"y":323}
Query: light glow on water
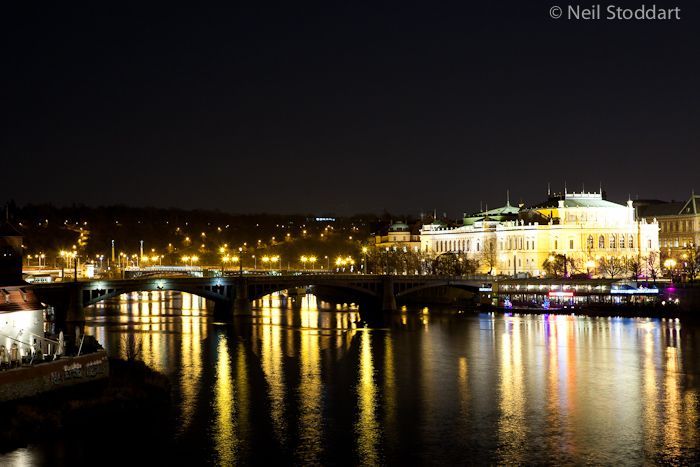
{"x":300,"y":381}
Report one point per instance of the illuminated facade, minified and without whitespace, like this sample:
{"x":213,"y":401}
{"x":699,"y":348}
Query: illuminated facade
{"x":398,"y":236}
{"x":518,"y":240}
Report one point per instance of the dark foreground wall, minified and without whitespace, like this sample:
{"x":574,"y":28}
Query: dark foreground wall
{"x":67,"y":371}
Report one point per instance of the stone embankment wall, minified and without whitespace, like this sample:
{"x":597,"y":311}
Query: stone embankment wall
{"x":23,"y":382}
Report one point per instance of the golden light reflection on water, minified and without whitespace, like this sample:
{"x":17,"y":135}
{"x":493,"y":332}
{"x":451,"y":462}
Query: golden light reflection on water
{"x":309,"y":394}
{"x":463,"y":382}
{"x":367,"y":428}
{"x":649,"y":389}
{"x":225,"y":441}
{"x":578,"y":388}
{"x":389,"y":385}
{"x":270,"y":335}
{"x":511,"y":425}
{"x":191,"y":363}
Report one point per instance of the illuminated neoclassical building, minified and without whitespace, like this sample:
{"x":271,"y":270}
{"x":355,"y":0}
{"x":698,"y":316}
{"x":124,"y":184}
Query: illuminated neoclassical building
{"x":514,"y":239}
{"x":399,"y":235}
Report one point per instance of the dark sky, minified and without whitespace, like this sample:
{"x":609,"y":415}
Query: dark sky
{"x":341,"y":107}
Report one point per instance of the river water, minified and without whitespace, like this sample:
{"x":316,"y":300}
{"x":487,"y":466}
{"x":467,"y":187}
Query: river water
{"x":306,"y":383}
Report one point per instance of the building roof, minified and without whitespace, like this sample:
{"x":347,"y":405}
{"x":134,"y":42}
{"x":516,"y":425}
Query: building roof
{"x":673,"y":208}
{"x":502,"y":213}
{"x":577,"y":200}
{"x":691,"y":206}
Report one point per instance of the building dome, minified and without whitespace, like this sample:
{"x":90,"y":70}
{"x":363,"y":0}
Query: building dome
{"x":398,"y":227}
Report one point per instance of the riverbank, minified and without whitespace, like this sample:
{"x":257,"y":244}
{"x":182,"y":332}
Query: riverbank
{"x":131,"y":394}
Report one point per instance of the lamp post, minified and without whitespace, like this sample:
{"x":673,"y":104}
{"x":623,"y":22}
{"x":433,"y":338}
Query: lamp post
{"x":75,"y":266}
{"x":364,"y":260}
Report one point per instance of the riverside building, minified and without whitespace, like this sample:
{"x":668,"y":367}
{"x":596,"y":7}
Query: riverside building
{"x":518,"y":240}
{"x":679,"y":224}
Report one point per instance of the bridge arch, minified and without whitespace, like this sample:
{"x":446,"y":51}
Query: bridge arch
{"x":430,"y":285}
{"x":215,"y":293}
{"x":258,"y":291}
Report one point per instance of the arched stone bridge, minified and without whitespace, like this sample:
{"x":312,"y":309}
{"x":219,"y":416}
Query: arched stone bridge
{"x":234,"y":294}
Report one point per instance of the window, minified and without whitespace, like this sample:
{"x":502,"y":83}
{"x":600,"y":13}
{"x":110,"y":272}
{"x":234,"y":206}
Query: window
{"x":601,"y":242}
{"x":622,"y":241}
{"x":556,"y":244}
{"x":589,"y":242}
{"x":649,"y":243}
{"x":612,"y":241}
{"x":630,"y":243}
{"x":571,"y":244}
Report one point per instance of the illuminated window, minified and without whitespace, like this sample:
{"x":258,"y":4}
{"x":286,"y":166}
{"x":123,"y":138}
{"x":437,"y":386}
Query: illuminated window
{"x":601,"y":242}
{"x":589,"y":242}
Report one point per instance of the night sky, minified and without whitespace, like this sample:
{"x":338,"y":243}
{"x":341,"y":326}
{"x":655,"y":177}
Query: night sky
{"x":337,"y":107}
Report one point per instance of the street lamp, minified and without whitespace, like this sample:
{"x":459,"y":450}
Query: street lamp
{"x":590,"y":264}
{"x":670,"y":264}
{"x":312,"y":260}
{"x":304,"y":259}
{"x":224,"y":260}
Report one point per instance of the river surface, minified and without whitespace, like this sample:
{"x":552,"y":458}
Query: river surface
{"x":304,"y":383}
